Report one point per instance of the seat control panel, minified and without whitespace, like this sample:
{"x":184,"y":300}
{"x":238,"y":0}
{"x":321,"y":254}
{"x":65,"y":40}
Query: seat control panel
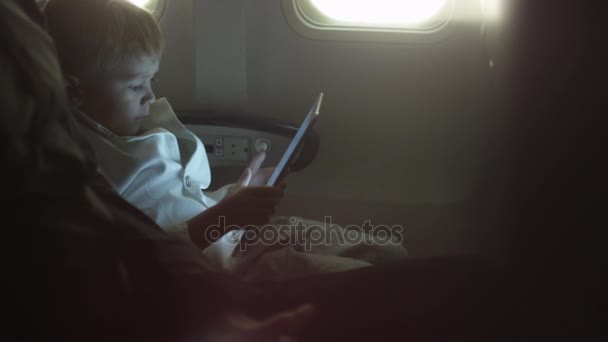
{"x":228,"y":148}
{"x":235,"y":147}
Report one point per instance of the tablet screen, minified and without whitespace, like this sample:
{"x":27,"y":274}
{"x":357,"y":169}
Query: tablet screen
{"x":295,"y":142}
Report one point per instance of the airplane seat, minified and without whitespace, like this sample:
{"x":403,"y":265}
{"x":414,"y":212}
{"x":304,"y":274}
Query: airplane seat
{"x":232,"y":140}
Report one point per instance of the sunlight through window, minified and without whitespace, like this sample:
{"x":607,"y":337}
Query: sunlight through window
{"x":492,"y":9}
{"x":378,"y":12}
{"x":141,"y":3}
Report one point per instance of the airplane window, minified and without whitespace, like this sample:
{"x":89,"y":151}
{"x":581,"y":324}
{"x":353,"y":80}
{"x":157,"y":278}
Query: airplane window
{"x":406,"y":13}
{"x":393,"y":20}
{"x":157,"y":7}
{"x":140,"y":3}
{"x":492,"y":9}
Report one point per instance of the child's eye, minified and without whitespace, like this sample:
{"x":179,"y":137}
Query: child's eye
{"x":136,"y":88}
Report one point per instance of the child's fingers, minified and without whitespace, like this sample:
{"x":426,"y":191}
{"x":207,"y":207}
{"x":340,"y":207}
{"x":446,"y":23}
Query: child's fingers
{"x":282,"y":185}
{"x":261,"y":192}
{"x":245,"y":178}
{"x":265,"y":173}
{"x":257,"y":161}
{"x":283,"y":177}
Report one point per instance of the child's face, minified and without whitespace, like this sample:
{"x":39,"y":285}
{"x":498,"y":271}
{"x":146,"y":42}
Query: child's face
{"x":120,"y":100}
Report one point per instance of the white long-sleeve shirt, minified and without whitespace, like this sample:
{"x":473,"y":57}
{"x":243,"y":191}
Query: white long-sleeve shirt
{"x":162,"y":171}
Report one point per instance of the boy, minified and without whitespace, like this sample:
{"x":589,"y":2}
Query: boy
{"x":153,"y":161}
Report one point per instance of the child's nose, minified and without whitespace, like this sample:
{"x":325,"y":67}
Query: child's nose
{"x":149,"y":98}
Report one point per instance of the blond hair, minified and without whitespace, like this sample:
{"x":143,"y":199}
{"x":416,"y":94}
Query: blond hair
{"x":93,"y":36}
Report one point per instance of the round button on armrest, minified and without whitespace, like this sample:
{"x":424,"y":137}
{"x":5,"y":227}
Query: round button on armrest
{"x":262,"y":145}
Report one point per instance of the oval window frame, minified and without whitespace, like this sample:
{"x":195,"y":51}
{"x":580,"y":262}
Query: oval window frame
{"x":307,"y":20}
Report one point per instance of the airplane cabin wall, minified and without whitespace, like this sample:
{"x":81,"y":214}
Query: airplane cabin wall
{"x":402,"y":126}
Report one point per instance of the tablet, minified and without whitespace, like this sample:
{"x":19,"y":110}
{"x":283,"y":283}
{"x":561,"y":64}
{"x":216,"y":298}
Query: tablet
{"x":308,"y":122}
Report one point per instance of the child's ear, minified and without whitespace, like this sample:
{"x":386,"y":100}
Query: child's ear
{"x":73,"y":89}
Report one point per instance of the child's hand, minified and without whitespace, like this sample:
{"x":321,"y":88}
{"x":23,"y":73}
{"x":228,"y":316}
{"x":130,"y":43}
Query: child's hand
{"x":282,"y":180}
{"x":259,"y":176}
{"x":252,"y":205}
{"x":254,"y":176}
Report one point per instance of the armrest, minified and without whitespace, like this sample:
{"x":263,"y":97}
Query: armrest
{"x":306,"y":153}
